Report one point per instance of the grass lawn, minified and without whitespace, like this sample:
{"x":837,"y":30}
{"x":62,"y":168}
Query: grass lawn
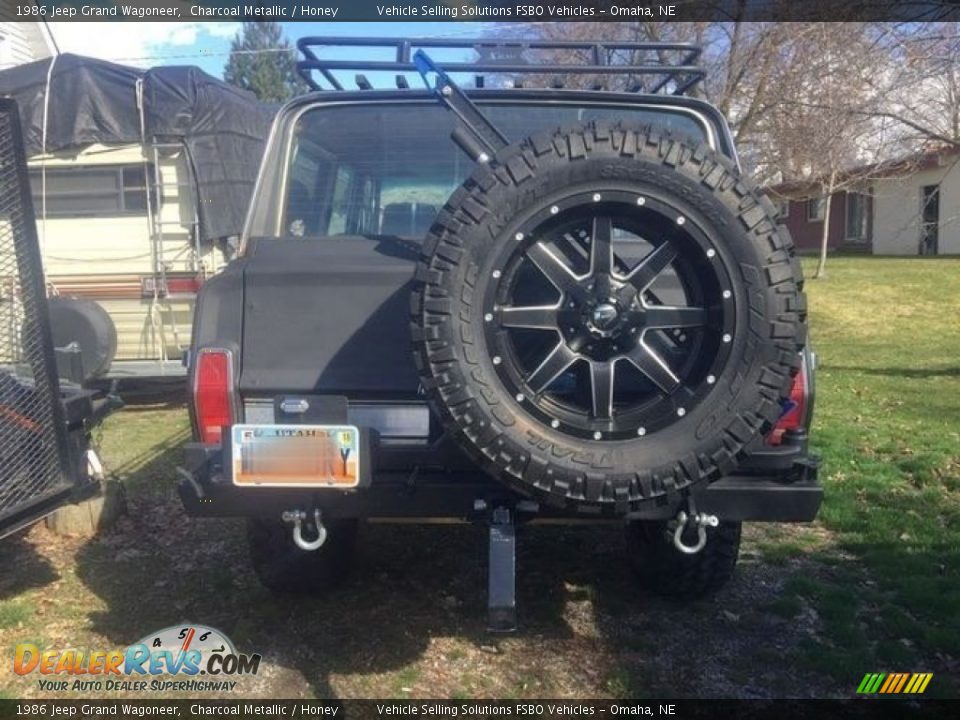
{"x":872,"y":586}
{"x":887,"y":423}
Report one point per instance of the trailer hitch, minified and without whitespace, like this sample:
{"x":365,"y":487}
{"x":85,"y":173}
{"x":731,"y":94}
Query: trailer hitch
{"x":691,"y":520}
{"x":297,"y":517}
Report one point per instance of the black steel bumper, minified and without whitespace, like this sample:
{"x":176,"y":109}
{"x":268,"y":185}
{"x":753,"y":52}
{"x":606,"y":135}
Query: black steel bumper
{"x":791,"y":495}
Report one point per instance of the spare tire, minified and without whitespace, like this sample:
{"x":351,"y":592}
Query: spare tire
{"x":604,"y":316}
{"x":86,"y":323}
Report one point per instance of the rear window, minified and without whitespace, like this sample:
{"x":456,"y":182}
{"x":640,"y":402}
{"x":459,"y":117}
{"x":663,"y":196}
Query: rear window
{"x":388,"y":169}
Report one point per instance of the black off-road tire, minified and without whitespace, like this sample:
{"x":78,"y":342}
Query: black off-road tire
{"x":283,"y":567}
{"x":664,"y":570}
{"x":454,"y":276}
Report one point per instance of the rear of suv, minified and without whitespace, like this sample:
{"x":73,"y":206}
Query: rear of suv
{"x":503,"y":305}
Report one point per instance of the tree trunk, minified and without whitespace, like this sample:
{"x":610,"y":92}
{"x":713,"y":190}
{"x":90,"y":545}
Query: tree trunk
{"x":825,"y":237}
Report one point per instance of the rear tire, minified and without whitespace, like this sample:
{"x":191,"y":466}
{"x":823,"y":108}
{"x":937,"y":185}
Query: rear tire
{"x":283,"y":567}
{"x":664,"y":570}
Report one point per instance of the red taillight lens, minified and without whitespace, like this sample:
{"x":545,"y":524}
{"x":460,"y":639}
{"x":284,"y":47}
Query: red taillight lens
{"x":213,"y":393}
{"x":795,"y":410}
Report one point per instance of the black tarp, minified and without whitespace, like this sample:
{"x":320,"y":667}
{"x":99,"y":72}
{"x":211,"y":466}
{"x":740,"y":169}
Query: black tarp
{"x":223,"y":128}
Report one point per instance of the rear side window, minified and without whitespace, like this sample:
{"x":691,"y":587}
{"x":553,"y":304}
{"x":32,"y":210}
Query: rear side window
{"x":388,"y":169}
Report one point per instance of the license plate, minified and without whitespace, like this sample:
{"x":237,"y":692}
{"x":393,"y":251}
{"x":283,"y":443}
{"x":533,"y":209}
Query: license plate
{"x":295,"y":455}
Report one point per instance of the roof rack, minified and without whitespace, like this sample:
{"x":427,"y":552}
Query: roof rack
{"x":650,"y":67}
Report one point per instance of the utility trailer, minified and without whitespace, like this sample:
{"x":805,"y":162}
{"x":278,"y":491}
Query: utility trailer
{"x":45,"y":456}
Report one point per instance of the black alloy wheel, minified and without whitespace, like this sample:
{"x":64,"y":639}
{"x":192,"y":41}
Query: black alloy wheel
{"x":611,"y":315}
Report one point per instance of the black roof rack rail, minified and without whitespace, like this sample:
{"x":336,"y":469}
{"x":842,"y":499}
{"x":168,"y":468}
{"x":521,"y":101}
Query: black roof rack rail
{"x":651,"y":67}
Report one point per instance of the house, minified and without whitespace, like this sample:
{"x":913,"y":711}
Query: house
{"x":919,"y":213}
{"x":22,"y":42}
{"x":910,"y":206}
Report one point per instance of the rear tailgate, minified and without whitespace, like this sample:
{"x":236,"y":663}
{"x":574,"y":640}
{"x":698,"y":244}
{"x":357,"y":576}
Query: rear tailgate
{"x":328,"y":315}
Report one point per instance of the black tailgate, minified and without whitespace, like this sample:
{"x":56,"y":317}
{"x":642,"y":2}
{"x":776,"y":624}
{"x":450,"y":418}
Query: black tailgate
{"x":329,"y":315}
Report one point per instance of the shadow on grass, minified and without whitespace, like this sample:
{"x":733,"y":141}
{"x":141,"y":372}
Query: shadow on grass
{"x":901,"y":613}
{"x":31,"y":570}
{"x":410,"y":585}
{"x":585,"y":625}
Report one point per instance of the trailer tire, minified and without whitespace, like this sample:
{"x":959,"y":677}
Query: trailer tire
{"x":283,"y":567}
{"x":689,"y":204}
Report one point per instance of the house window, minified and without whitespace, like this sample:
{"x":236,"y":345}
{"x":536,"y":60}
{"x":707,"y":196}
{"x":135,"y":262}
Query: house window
{"x":815,"y":209}
{"x":91,"y":190}
{"x":783,"y":207}
{"x":929,"y":219}
{"x":857,"y":209}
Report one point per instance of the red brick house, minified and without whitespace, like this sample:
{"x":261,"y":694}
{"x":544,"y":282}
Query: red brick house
{"x":908,"y":206}
{"x":851,"y":217}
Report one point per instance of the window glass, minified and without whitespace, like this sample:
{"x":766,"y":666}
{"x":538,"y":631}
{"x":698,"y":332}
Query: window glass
{"x":90,"y":190}
{"x":856,"y":217}
{"x":388,"y":169}
{"x":134,"y":189}
{"x":815,"y":208}
{"x":340,"y":206}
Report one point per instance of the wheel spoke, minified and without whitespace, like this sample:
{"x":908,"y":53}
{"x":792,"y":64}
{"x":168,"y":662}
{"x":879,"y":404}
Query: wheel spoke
{"x":537,"y":318}
{"x":601,"y":246}
{"x":664,"y":316}
{"x":554,"y":268}
{"x":601,"y":380}
{"x":643,"y":275}
{"x":653,"y":366}
{"x":558,"y":360}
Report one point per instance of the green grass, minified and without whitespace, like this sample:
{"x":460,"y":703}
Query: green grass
{"x":887,"y":423}
{"x":13,"y":613}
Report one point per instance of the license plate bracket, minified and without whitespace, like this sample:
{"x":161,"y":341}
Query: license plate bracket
{"x":296,"y":455}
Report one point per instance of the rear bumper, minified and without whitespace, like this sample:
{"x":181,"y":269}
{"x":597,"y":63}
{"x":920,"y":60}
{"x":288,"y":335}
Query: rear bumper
{"x":787,"y":495}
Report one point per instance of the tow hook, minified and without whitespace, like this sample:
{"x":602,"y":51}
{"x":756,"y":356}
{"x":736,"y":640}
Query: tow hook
{"x":692,"y":519}
{"x":297,"y":517}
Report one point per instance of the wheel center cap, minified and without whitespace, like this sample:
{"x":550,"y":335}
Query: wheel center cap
{"x":604,"y":316}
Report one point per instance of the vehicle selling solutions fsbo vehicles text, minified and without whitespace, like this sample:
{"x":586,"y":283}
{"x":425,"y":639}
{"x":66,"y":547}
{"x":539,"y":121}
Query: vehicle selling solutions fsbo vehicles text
{"x":521,"y":10}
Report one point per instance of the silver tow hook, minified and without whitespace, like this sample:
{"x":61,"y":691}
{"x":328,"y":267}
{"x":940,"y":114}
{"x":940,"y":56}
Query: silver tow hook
{"x":297,"y":517}
{"x":700,"y":520}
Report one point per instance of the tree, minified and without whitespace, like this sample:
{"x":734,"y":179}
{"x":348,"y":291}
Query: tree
{"x":262,"y":61}
{"x":827,"y":130}
{"x":927,"y":101}
{"x":740,"y":58}
{"x":821,"y":107}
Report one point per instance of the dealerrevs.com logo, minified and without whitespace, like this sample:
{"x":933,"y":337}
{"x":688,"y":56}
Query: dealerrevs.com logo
{"x":181,"y":654}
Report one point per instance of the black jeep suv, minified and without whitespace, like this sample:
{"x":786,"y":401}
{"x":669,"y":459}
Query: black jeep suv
{"x":504,"y":305}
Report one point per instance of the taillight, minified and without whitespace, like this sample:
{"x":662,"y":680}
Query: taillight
{"x":213,"y":393}
{"x":795,"y":408}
